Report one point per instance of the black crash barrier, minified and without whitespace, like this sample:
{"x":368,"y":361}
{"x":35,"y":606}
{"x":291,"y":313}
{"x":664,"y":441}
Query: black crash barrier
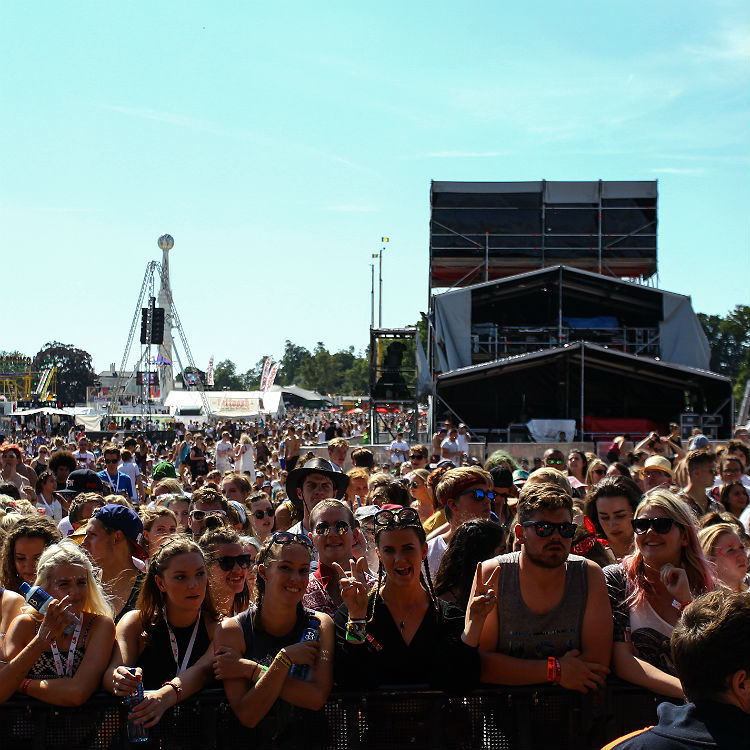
{"x":518,"y":718}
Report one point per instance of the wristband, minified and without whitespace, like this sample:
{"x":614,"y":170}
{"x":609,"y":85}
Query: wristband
{"x":679,"y":606}
{"x":284,"y":659}
{"x":25,"y":686}
{"x":554,"y":671}
{"x":355,"y":637}
{"x":176,"y":688}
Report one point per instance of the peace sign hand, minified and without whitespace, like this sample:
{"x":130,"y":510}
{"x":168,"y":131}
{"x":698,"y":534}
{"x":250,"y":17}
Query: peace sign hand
{"x":353,"y":585}
{"x":482,"y":601}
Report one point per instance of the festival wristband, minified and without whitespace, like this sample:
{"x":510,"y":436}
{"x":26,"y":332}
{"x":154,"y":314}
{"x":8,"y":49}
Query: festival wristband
{"x":25,"y":686}
{"x":175,"y":687}
{"x":554,"y":671}
{"x":284,"y":659}
{"x":679,"y":606}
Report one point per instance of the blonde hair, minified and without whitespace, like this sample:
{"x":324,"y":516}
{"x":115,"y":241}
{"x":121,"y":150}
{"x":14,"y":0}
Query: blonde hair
{"x":709,"y":537}
{"x":548,"y":475}
{"x":69,"y":553}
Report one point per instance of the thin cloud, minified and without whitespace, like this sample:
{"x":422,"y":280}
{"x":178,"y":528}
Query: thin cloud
{"x":677,"y":170}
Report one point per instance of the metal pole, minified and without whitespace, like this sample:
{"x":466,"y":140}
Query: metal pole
{"x":372,"y":295}
{"x":583,"y":351}
{"x":380,"y":288}
{"x":486,"y":256}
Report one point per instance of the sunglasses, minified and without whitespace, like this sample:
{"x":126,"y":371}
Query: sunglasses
{"x":201,"y":515}
{"x":260,"y":514}
{"x":555,"y":461}
{"x":324,"y":529}
{"x":418,"y":456}
{"x":546,"y":528}
{"x":480,"y":495}
{"x":414,"y":485}
{"x":659,"y":525}
{"x":403,"y":517}
{"x":286,"y":537}
{"x":111,"y":460}
{"x":227,"y":562}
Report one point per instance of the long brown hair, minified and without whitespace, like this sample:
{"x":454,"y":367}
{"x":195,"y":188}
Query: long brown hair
{"x":36,"y":527}
{"x":152,"y":601}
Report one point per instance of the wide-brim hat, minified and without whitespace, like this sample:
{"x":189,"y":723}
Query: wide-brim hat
{"x":659,"y":463}
{"x":296,"y":477}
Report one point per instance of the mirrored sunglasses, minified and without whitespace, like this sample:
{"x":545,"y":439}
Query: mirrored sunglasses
{"x":544,"y":529}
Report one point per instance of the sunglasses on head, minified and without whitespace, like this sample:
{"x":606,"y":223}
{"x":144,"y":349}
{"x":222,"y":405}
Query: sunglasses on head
{"x":479,"y":495}
{"x":324,"y":529}
{"x":567,"y":529}
{"x":403,"y":517}
{"x":227,"y":562}
{"x":286,"y":537}
{"x":201,"y":515}
{"x":659,"y":525}
{"x":260,"y":514}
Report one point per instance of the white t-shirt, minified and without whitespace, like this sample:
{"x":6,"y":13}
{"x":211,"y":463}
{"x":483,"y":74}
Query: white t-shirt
{"x":435,"y":550}
{"x":86,"y":459}
{"x":451,"y":448}
{"x":399,"y":451}
{"x":463,"y":442}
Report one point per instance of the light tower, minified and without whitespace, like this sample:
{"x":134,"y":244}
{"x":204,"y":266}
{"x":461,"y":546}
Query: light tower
{"x":166,"y":376}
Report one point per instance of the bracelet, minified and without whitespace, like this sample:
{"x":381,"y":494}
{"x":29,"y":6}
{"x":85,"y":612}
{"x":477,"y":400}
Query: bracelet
{"x":554,"y":670}
{"x":355,"y":637}
{"x":176,"y":688}
{"x":284,"y":659}
{"x":679,"y":606}
{"x":25,"y":686}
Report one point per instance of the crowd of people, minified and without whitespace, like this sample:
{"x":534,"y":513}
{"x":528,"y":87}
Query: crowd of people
{"x":249,"y":563}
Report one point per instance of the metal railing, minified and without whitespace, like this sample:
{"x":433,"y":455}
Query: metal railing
{"x":523,"y":718}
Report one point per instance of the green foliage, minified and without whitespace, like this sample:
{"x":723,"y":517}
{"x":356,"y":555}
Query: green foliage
{"x":729,"y":339}
{"x":74,"y":370}
{"x":226,"y":377}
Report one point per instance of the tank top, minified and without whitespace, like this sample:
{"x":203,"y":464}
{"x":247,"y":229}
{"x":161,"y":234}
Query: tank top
{"x":157,"y":660}
{"x":527,"y":635}
{"x":44,"y":666}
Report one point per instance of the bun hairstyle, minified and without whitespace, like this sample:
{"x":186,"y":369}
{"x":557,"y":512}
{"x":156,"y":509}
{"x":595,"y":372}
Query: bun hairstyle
{"x":152,"y":600}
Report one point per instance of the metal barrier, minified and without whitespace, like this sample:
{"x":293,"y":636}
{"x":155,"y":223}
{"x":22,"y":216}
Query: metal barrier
{"x":490,"y":719}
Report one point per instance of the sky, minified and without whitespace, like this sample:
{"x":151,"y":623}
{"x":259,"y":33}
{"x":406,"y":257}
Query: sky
{"x":278,"y":142}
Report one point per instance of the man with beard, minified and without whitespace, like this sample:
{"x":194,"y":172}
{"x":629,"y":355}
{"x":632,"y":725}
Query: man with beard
{"x":553,"y":622}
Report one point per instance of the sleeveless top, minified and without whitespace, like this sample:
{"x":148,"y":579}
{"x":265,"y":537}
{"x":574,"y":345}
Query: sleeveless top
{"x":157,"y":660}
{"x":44,"y":666}
{"x":198,"y":465}
{"x":527,"y":635}
{"x":132,"y":599}
{"x":262,"y":647}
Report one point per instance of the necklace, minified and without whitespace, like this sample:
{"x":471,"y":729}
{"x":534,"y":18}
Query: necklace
{"x":405,"y":616}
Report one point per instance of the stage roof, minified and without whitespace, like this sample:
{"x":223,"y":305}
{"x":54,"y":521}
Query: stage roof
{"x":547,"y":385}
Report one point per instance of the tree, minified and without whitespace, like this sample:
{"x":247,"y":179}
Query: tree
{"x":729,"y":340}
{"x":226,"y":377}
{"x":251,"y":378}
{"x":75,"y":372}
{"x":292,"y":360}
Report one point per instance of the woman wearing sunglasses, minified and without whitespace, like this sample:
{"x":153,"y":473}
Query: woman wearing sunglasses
{"x":168,"y":638}
{"x":595,"y":472}
{"x":649,"y":589}
{"x":259,"y":652}
{"x":400,"y":633}
{"x":423,"y":501}
{"x":261,"y":516}
{"x":228,"y":565}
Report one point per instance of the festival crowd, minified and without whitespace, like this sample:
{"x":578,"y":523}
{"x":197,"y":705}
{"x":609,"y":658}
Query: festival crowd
{"x":234,"y":557}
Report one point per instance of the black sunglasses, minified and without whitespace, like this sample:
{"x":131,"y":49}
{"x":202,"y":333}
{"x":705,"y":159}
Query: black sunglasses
{"x":413,"y":484}
{"x":260,"y":514}
{"x":286,"y":537}
{"x":227,"y":562}
{"x":403,"y":517}
{"x":200,"y":515}
{"x":566,"y":529}
{"x":659,"y":525}
{"x":324,"y":529}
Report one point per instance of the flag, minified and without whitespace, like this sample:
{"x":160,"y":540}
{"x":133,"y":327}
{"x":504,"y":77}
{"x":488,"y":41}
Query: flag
{"x":375,"y":255}
{"x":272,"y":376}
{"x":264,"y":376}
{"x":210,"y":376}
{"x":384,"y":239}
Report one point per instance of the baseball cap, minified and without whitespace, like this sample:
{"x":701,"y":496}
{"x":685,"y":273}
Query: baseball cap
{"x":519,"y":477}
{"x":164,"y":470}
{"x":122,"y":518}
{"x":83,"y":480}
{"x":366,"y":511}
{"x":699,"y":441}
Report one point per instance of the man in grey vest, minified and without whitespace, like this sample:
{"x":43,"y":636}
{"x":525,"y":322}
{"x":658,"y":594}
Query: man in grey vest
{"x":553,"y":622}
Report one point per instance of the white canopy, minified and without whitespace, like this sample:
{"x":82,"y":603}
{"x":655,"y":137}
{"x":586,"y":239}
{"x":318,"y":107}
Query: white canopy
{"x":233,"y":404}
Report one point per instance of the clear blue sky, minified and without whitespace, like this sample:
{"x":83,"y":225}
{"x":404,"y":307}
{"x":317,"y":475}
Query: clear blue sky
{"x":277,"y":142}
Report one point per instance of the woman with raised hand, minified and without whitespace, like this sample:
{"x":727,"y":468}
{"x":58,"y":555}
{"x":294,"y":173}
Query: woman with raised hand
{"x":258,"y":653}
{"x":168,"y":638}
{"x":60,"y":658}
{"x":22,"y":549}
{"x":649,"y":589}
{"x":395,"y":634}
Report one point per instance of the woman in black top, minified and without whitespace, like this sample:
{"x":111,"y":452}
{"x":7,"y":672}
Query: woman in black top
{"x":256,"y":650}
{"x":168,"y":638}
{"x":400,"y":633}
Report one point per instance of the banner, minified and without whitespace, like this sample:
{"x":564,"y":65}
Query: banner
{"x":210,"y":376}
{"x":272,"y":376}
{"x":264,"y":376}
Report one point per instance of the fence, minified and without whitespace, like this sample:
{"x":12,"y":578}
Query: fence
{"x":490,"y":719}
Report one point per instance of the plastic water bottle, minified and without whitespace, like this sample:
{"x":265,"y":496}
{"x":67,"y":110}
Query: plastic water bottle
{"x":302,"y":671}
{"x":39,"y":599}
{"x":136,"y":732}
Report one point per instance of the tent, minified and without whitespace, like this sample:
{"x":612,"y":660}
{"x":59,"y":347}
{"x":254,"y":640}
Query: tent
{"x":225,"y":404}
